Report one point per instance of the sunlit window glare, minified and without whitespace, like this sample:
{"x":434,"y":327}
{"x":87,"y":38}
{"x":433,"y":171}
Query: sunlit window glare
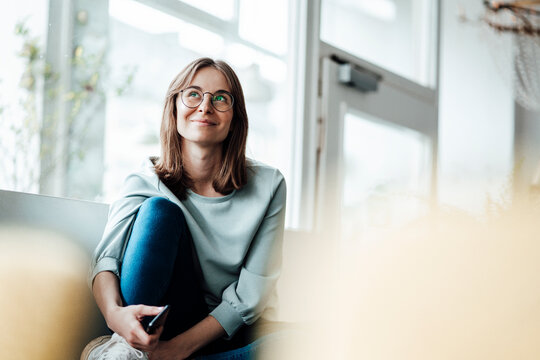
{"x":383,"y":187}
{"x":200,"y":40}
{"x":380,"y":9}
{"x":223,"y":9}
{"x":265,"y":26}
{"x":143,"y":17}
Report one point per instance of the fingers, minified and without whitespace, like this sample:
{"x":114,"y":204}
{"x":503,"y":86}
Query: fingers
{"x":139,"y":339}
{"x":133,"y":331}
{"x":153,"y":340}
{"x":145,"y":310}
{"x":137,"y":336}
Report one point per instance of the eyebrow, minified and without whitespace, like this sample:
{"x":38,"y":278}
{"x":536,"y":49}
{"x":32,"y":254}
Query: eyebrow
{"x":199,"y":88}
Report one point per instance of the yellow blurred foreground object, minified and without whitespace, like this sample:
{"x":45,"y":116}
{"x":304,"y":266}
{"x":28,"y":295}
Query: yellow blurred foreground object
{"x":447,"y":287}
{"x":44,"y":298}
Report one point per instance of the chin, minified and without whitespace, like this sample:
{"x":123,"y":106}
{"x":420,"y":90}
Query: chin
{"x":203,"y":140}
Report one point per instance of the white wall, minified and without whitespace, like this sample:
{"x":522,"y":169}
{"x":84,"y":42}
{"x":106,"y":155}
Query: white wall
{"x":476,"y":109}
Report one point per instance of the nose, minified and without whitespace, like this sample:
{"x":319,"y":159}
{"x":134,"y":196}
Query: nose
{"x":206,"y":105}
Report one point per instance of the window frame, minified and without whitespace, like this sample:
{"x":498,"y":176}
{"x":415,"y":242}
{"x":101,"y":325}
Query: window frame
{"x":314,"y":125}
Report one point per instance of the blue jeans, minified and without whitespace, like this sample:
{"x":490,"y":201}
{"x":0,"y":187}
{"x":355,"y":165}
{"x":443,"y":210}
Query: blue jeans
{"x":160,"y":267}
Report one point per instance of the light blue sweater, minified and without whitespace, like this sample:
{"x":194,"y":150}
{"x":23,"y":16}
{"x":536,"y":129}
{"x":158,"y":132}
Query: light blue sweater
{"x":238,"y":240}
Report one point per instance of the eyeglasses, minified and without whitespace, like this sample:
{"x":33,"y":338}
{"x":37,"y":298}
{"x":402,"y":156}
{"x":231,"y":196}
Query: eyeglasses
{"x":221,"y":100}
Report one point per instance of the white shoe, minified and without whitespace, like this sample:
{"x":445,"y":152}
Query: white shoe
{"x":112,"y":347}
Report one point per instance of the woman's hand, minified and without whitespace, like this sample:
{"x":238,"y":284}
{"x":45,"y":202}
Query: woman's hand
{"x":126,"y":321}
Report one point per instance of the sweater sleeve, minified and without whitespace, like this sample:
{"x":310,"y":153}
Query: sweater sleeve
{"x":122,"y":212}
{"x":244,"y":300}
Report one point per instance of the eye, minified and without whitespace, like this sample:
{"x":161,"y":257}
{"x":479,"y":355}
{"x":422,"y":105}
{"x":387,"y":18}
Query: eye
{"x":193,"y":93}
{"x":222,"y":97}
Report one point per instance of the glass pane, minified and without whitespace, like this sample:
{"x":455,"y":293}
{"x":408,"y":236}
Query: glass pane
{"x":144,"y":56}
{"x":393,"y":34}
{"x":23,"y":35}
{"x":387,"y":176}
{"x":265,"y":26}
{"x":223,"y":9}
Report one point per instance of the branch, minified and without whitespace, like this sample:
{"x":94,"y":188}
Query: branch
{"x":515,"y":7}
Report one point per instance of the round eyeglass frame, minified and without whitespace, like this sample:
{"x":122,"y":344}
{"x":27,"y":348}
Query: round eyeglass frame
{"x":211,"y":99}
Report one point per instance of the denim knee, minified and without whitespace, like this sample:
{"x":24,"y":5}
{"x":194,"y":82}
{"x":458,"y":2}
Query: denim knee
{"x":160,"y":206}
{"x":161,"y":218}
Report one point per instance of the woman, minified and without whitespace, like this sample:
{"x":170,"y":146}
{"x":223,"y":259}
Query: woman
{"x":199,"y":229}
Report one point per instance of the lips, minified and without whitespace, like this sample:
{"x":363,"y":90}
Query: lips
{"x":203,"y":121}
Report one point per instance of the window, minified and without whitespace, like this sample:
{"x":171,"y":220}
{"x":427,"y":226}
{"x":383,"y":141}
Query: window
{"x":395,"y":35}
{"x":98,"y":114}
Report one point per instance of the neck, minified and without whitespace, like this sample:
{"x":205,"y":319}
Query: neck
{"x":202,"y":164}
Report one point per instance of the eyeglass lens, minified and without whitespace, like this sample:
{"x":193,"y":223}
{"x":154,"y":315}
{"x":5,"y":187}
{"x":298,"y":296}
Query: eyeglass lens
{"x":222,"y":101}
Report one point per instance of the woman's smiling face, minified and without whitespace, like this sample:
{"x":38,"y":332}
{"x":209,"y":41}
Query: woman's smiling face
{"x":203,"y":124}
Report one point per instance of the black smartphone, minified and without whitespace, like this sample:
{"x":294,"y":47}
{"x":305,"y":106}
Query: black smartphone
{"x":157,"y":321}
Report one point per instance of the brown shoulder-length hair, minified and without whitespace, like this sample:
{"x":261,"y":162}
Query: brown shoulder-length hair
{"x":169,"y":167}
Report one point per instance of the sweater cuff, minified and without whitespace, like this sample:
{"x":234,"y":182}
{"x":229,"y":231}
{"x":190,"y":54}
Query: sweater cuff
{"x":104,"y":264}
{"x":228,"y":318}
